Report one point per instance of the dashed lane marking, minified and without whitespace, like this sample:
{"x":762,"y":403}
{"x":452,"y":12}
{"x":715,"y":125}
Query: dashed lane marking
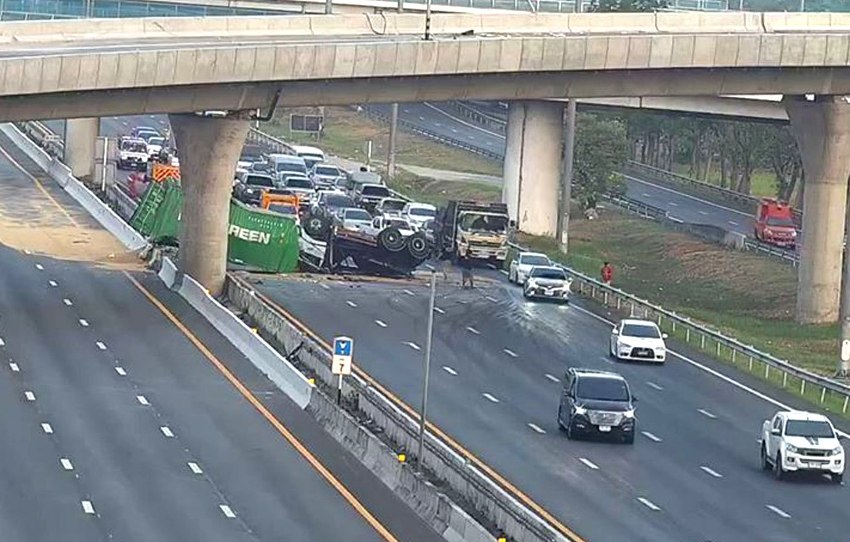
{"x":88,"y":507}
{"x":46,"y":427}
{"x":649,"y":504}
{"x":732,"y":223}
{"x":490,"y":397}
{"x":706,"y":413}
{"x":710,"y":471}
{"x":30,"y":396}
{"x":536,"y":428}
{"x":653,"y":385}
{"x":408,"y":292}
{"x":449,"y":370}
{"x":52,"y":283}
{"x":100,"y":345}
{"x":650,"y":436}
{"x":491,"y":298}
{"x":2,"y":342}
{"x":195,"y":468}
{"x":381,"y":323}
{"x":14,"y":367}
{"x":227,"y":511}
{"x":509,"y":352}
{"x":412,"y":345}
{"x":166,"y":431}
{"x":673,"y":204}
{"x":143,"y":400}
{"x":39,"y":267}
{"x":502,"y":271}
{"x":67,"y":302}
{"x":121,"y":371}
{"x":473,"y":330}
{"x":66,"y":463}
{"x":778,"y":511}
{"x":439,"y":310}
{"x":553,"y":378}
{"x":590,"y":464}
{"x":351,"y":304}
{"x":84,"y":322}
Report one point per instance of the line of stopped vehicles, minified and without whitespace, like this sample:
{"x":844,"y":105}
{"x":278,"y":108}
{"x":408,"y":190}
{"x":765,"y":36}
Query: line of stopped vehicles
{"x":374,"y":225}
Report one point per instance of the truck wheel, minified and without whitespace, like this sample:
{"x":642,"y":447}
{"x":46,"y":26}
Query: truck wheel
{"x":571,"y":433}
{"x":765,"y":464}
{"x":417,"y":245}
{"x":629,"y":438}
{"x":837,"y":478}
{"x":778,"y":471}
{"x":316,"y":227}
{"x":391,"y":240}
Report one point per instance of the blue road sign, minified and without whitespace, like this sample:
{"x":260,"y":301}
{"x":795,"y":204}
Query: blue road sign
{"x":343,"y":350}
{"x":342,"y":346}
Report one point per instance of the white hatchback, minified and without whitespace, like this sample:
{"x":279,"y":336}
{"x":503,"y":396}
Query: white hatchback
{"x":638,"y":340}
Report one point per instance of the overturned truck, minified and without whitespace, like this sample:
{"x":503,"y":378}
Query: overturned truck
{"x":366,"y":251}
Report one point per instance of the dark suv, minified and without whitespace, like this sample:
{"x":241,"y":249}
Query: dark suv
{"x":597,"y":403}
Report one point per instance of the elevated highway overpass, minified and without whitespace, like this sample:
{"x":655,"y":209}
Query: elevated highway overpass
{"x":240,"y":64}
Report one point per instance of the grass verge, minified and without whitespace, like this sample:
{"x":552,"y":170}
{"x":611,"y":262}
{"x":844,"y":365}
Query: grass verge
{"x":347,"y":132}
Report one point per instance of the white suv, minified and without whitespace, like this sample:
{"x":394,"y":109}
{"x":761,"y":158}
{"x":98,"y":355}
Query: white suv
{"x":638,"y":340}
{"x":801,"y":441}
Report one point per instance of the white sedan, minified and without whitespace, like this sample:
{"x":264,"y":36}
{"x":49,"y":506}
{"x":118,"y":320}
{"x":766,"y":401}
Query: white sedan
{"x":521,"y":265}
{"x":638,"y":340}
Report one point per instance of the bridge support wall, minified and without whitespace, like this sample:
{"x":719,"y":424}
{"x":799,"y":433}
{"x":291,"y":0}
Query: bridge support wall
{"x":80,"y":144}
{"x":532,"y":169}
{"x":208,"y":149}
{"x":822,"y":131}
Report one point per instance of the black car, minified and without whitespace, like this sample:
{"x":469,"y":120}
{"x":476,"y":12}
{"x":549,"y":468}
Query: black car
{"x":327,"y":204}
{"x":597,"y":403}
{"x":250,"y":187}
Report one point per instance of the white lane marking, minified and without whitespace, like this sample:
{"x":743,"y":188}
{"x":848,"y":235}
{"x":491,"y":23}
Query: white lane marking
{"x":143,"y":400}
{"x":412,"y":345}
{"x":439,"y":310}
{"x":47,"y":428}
{"x":490,"y":397}
{"x":66,"y":463}
{"x":778,"y":511}
{"x":650,"y":436}
{"x":449,"y":370}
{"x":29,"y":395}
{"x":101,"y":345}
{"x":166,"y":431}
{"x":711,"y":471}
{"x":536,"y":428}
{"x":14,"y":367}
{"x":121,"y":371}
{"x":39,"y":267}
{"x":461,"y":121}
{"x":421,"y":117}
{"x":717,"y":374}
{"x":682,"y":194}
{"x":733,"y":223}
{"x":380,"y":323}
{"x":227,"y":511}
{"x":703,"y":213}
{"x":502,"y":271}
{"x":673,"y":204}
{"x":351,"y":304}
{"x":2,"y":342}
{"x":84,"y":322}
{"x":408,"y":292}
{"x":194,"y":467}
{"x":509,"y":352}
{"x":52,"y":283}
{"x":491,"y":298}
{"x":653,"y":385}
{"x":646,"y":195}
{"x":649,"y":504}
{"x":473,"y":330}
{"x":674,"y":219}
{"x":590,"y":464}
{"x":552,"y":378}
{"x":325,"y":286}
{"x":67,"y":302}
{"x":88,"y":507}
{"x":706,"y":413}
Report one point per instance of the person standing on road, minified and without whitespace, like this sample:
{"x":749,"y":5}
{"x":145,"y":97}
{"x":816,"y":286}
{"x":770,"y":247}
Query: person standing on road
{"x":466,"y":272}
{"x":607,"y":273}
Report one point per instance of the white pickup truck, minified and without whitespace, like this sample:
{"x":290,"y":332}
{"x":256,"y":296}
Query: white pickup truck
{"x":801,"y":441}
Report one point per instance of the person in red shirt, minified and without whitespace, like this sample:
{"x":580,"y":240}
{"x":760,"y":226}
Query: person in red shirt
{"x":607,"y":273}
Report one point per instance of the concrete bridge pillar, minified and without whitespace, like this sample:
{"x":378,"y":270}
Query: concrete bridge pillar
{"x":822,"y":131}
{"x":208,"y":149}
{"x":80,"y":144}
{"x":532,"y":170}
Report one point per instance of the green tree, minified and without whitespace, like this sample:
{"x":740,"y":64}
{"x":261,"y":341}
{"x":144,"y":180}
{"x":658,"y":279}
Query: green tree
{"x":627,"y":5}
{"x":600,"y":152}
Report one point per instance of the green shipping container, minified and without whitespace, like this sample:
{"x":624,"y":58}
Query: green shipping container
{"x":145,"y":214}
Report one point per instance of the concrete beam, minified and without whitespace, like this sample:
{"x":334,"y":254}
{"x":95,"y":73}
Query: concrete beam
{"x":80,"y":145}
{"x":208,"y":149}
{"x":532,"y":168}
{"x":822,"y":131}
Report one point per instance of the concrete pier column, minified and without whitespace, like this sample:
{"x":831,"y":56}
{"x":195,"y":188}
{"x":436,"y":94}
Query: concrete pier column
{"x":208,"y":149}
{"x":532,"y":169}
{"x":822,"y":131}
{"x":80,"y":144}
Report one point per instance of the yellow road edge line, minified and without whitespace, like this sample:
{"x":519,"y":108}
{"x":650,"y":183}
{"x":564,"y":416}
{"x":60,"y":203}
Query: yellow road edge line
{"x":277,"y":424}
{"x":436,"y":430}
{"x":40,"y":187}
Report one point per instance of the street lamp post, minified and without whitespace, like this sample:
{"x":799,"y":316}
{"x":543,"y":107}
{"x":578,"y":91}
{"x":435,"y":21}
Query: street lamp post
{"x":423,"y":413}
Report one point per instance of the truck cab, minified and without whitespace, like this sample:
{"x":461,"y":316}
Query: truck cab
{"x":469,"y":229}
{"x":775,"y":223}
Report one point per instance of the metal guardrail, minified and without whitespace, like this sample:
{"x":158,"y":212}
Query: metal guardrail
{"x":43,"y":137}
{"x":261,"y":138}
{"x":787,"y":256}
{"x":776,"y":370}
{"x":377,"y":115}
{"x":636,"y":207}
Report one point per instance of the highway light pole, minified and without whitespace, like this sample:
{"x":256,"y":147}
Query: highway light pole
{"x":567,"y":176}
{"x":428,"y":20}
{"x":392,"y":143}
{"x":424,"y":411}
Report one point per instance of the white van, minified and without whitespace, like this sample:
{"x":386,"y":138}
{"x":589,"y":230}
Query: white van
{"x":311,"y":155}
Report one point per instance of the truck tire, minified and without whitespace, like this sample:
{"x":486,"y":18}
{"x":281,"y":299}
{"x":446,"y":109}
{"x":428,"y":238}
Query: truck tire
{"x":778,"y":471}
{"x":765,"y":464}
{"x":837,"y":478}
{"x":417,"y":245}
{"x":390,"y":239}
{"x":316,"y":227}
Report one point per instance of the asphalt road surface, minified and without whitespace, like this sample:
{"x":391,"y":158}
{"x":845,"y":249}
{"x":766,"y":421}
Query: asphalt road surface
{"x":693,"y":475}
{"x":118,"y":427}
